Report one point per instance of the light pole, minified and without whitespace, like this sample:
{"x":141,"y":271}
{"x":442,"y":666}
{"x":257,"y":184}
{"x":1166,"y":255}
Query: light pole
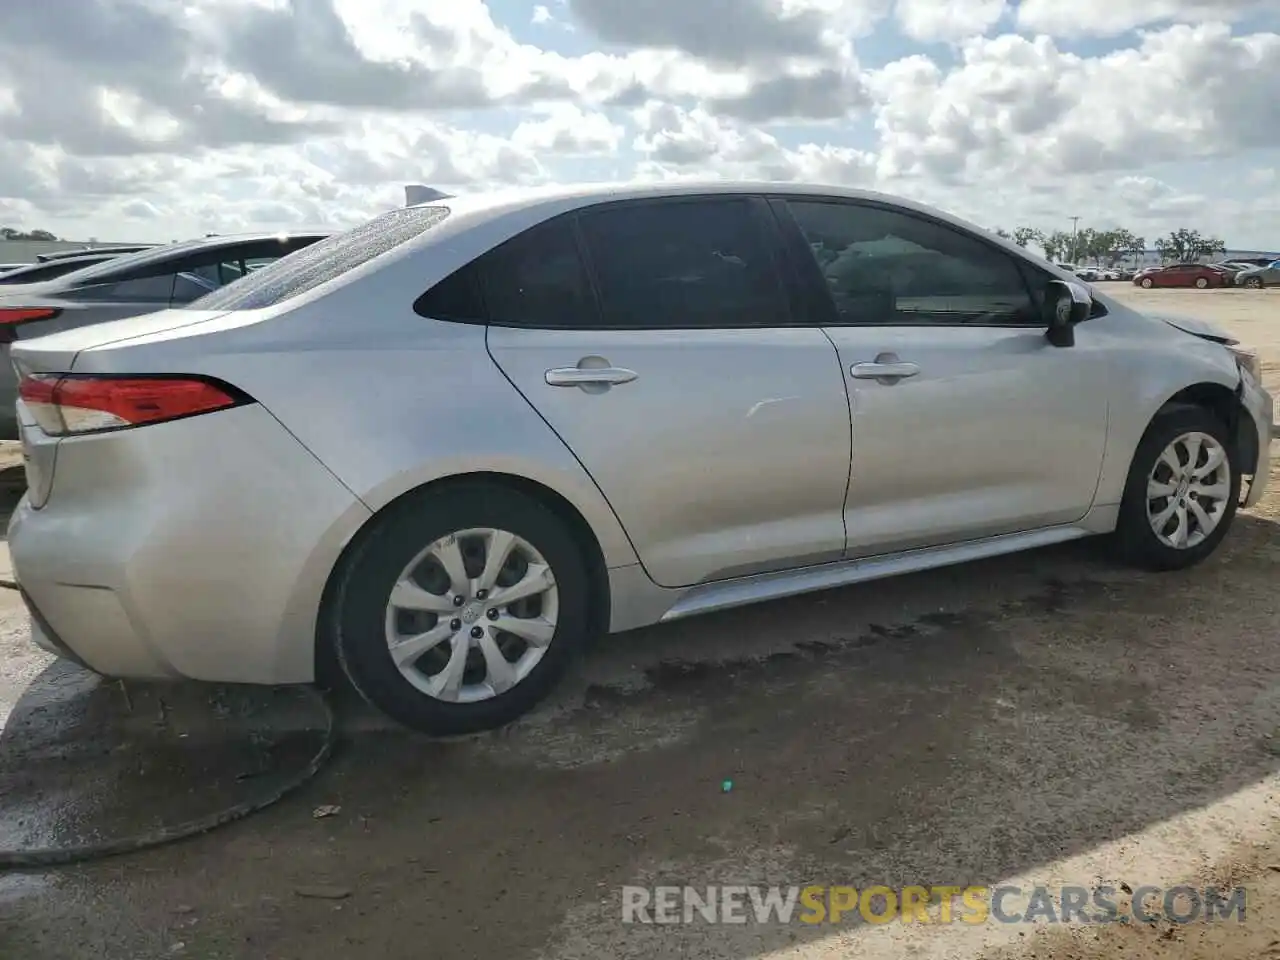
{"x":1074,"y":221}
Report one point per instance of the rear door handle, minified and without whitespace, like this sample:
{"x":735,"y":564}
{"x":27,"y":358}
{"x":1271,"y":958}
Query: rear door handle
{"x":884,"y":371}
{"x":590,"y":376}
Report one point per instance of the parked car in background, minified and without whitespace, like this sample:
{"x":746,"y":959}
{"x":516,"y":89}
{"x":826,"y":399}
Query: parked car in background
{"x":50,"y":269}
{"x":113,"y":250}
{"x":1229,"y":269}
{"x":1258,"y":277}
{"x":1182,"y":275}
{"x":446,"y":449}
{"x":132,"y":283}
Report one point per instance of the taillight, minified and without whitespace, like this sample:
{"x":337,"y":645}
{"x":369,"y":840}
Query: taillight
{"x":67,"y":404}
{"x":10,"y":316}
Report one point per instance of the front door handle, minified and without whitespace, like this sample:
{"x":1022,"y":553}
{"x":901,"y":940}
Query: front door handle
{"x":886,"y":369}
{"x":589,"y":376}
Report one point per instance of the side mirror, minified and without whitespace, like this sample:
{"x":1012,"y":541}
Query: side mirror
{"x":1065,"y":305}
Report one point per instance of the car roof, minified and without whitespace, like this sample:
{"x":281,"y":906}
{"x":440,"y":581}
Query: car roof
{"x":68,"y":264}
{"x":106,"y":249}
{"x":571,"y":195}
{"x":160,"y":254}
{"x":525,"y":206}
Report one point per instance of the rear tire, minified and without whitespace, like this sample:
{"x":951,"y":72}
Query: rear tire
{"x":461,"y":524}
{"x":1201,"y":283}
{"x":1184,"y":473}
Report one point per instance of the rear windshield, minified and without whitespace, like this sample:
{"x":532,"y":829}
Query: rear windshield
{"x":302,"y":271}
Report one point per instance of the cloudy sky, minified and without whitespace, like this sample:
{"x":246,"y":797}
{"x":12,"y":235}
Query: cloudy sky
{"x":158,"y":119}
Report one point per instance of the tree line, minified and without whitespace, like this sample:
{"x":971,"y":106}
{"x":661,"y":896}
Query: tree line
{"x":1110,"y":246}
{"x":8,"y":233}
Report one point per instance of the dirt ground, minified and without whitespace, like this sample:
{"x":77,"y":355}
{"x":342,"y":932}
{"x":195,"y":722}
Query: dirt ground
{"x":1048,"y":718}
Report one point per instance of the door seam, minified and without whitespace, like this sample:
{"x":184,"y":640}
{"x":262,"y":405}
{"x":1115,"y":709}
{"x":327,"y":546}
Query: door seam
{"x":848,"y":477}
{"x":573,"y":453}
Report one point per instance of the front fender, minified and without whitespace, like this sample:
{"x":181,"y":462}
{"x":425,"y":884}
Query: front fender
{"x":1153,"y":378}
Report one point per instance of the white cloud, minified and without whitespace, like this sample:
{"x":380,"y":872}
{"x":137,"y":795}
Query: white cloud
{"x":948,"y":20}
{"x":568,"y":130}
{"x":676,"y":141}
{"x":1020,"y":106}
{"x":210,"y":115}
{"x":1109,"y":18}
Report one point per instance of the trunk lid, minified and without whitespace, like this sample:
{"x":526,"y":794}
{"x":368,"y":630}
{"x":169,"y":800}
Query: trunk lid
{"x":57,"y":352}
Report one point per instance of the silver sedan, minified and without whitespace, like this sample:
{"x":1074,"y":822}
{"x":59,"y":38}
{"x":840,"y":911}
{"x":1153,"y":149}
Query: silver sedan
{"x":446,"y":448}
{"x":1257,"y":277}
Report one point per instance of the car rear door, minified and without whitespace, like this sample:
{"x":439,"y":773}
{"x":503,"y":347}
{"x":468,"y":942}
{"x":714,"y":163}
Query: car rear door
{"x":656,"y":339}
{"x":967,"y":422}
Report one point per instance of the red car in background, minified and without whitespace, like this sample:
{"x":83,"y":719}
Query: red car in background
{"x":1183,"y":275}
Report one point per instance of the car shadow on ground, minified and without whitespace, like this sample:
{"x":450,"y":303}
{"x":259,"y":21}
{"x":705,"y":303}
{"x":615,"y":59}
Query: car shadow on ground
{"x":952,"y":727}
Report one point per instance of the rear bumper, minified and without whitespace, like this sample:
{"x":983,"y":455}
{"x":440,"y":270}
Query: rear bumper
{"x":43,"y":635}
{"x":194,"y":549}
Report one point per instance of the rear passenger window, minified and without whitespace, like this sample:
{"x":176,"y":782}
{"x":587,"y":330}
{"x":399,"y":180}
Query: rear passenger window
{"x":683,"y":263}
{"x":536,"y":279}
{"x":456,"y":297}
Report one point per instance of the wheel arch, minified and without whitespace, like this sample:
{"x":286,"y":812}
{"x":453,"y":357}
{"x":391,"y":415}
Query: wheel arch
{"x":327,"y":670}
{"x":1140,"y":400}
{"x":1219,"y":399}
{"x":1224,"y":403}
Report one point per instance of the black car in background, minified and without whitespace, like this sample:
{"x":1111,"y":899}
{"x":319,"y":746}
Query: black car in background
{"x":126,"y":285}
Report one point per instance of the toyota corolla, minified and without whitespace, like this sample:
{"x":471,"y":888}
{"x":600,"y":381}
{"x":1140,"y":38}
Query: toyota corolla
{"x":446,"y":448}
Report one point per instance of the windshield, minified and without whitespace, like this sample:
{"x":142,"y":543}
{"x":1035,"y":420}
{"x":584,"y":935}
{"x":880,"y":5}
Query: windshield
{"x":302,"y":271}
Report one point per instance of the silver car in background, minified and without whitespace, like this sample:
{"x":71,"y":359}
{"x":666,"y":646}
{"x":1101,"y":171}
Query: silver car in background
{"x":445,"y":449}
{"x":122,"y":285}
{"x":1257,"y":277}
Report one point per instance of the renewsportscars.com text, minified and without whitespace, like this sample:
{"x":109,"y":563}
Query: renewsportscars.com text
{"x":939,"y":904}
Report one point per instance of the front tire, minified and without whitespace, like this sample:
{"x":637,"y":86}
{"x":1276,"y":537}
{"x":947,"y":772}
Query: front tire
{"x":461,"y":608}
{"x":1182,"y":491}
{"x":1201,"y":283}
{"x":1147,"y":283}
{"x":1253,"y":283}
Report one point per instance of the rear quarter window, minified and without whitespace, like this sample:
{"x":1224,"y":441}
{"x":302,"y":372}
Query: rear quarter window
{"x":321,"y":262}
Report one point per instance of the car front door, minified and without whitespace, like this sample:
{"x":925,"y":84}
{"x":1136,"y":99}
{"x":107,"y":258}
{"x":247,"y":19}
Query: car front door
{"x":656,"y":339}
{"x":967,"y":422}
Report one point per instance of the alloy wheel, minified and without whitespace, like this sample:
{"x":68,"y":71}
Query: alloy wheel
{"x":1188,"y":489}
{"x":471,"y":615}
